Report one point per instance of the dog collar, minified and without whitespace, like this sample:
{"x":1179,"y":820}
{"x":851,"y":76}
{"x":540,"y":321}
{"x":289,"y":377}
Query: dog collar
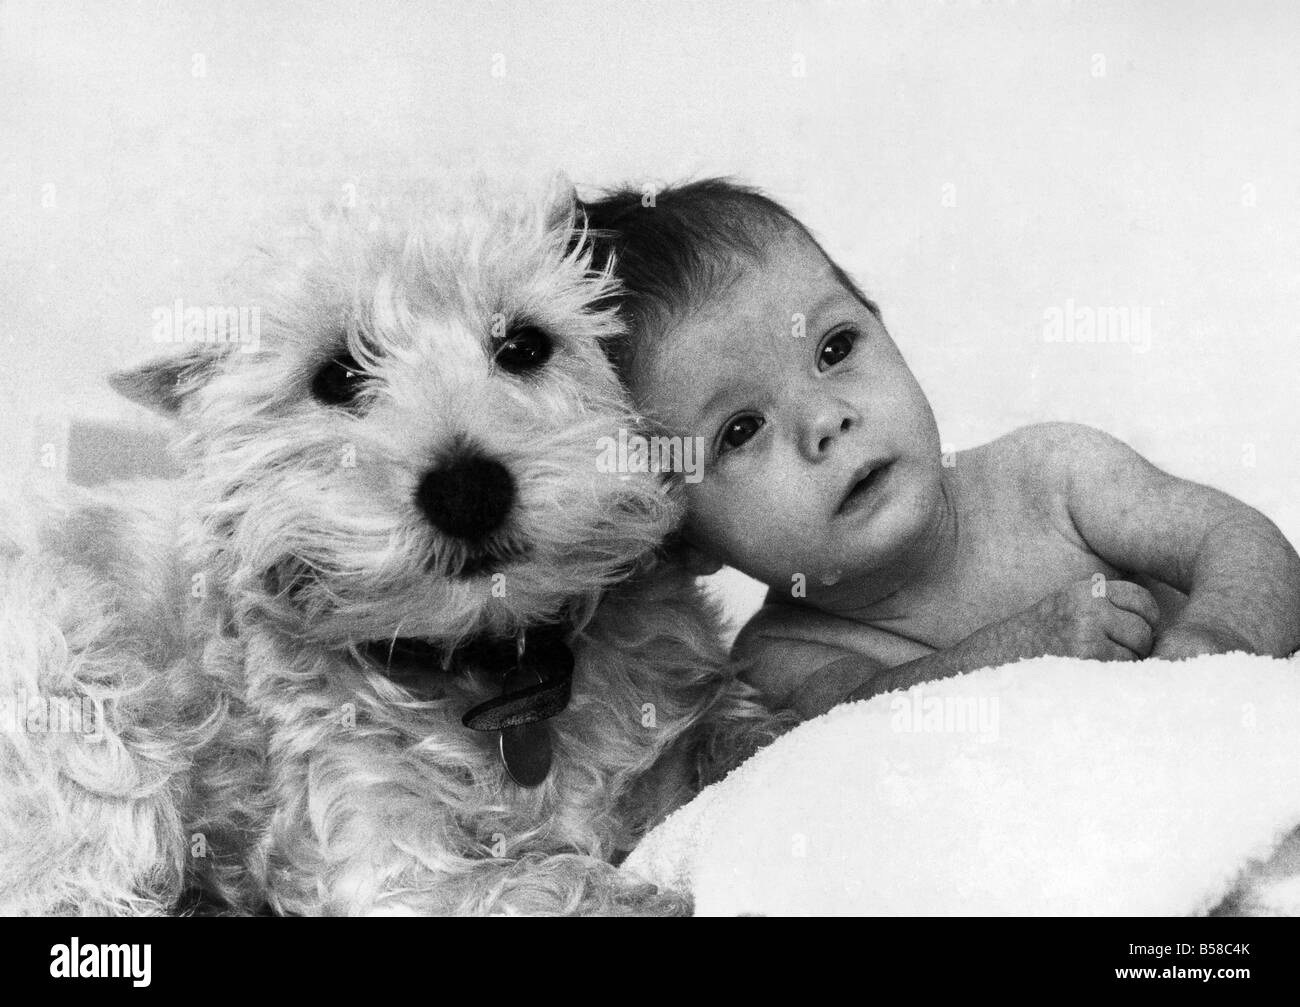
{"x":536,"y":670}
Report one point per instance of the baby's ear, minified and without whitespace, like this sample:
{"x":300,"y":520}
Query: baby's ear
{"x":700,"y":564}
{"x":164,"y":384}
{"x":691,"y":559}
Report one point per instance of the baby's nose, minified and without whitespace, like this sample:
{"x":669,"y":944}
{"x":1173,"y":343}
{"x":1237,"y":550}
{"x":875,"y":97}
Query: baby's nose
{"x":467,"y":497}
{"x":825,"y":426}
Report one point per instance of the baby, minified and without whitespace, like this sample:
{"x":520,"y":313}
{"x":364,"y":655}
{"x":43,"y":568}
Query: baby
{"x":887,"y":562}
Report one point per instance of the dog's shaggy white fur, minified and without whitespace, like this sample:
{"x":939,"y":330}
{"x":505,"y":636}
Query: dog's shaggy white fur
{"x":247,"y":748}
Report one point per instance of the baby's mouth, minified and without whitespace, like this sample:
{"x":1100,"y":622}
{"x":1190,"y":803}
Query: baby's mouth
{"x":862,"y":486}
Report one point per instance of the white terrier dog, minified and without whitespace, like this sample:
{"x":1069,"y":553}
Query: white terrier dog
{"x":396,"y":644}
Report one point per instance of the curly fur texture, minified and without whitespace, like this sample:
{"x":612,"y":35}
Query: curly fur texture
{"x":248,"y":749}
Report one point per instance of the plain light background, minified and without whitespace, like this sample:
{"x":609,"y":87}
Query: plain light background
{"x":973,"y":164}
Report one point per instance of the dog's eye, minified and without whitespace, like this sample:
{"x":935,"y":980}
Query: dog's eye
{"x":524,"y":350}
{"x":339,"y":381}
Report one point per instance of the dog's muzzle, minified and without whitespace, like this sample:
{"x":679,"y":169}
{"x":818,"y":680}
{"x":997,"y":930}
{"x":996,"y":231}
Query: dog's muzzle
{"x":467,"y":497}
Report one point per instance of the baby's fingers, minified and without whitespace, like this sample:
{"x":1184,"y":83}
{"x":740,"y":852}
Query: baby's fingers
{"x":1131,"y":632}
{"x":1130,"y":597}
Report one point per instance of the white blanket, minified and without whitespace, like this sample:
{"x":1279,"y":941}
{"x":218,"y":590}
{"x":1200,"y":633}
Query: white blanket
{"x":1046,"y":787}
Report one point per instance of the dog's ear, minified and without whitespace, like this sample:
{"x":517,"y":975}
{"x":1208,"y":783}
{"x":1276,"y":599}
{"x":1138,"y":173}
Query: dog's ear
{"x":561,"y":200}
{"x":164,"y":383}
{"x":565,"y":213}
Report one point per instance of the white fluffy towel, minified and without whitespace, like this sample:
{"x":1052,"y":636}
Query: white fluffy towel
{"x":1045,"y":787}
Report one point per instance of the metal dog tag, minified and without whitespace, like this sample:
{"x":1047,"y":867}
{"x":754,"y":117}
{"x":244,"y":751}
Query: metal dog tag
{"x":533,"y":691}
{"x":526,"y":748}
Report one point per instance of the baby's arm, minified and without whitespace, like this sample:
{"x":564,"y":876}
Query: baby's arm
{"x":1241,"y":575}
{"x":786,"y":661}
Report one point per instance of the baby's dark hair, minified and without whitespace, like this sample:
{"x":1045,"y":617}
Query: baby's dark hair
{"x":675,"y":248}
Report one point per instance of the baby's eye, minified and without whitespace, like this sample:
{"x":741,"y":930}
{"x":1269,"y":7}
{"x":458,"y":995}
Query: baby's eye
{"x":836,"y":348}
{"x":738,"y":431}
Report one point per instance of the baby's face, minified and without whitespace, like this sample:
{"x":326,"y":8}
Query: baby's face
{"x":821,"y":452}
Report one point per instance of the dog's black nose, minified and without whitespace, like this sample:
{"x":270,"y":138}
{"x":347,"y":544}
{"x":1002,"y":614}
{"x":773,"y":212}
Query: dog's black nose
{"x":467,"y":497}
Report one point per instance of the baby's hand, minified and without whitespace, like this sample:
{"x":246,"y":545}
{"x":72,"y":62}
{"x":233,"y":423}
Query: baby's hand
{"x":1110,"y":620}
{"x":1097,"y":619}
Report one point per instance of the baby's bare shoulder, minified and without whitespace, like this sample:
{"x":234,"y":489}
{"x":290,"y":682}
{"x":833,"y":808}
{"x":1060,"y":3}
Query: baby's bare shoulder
{"x":1047,"y":455}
